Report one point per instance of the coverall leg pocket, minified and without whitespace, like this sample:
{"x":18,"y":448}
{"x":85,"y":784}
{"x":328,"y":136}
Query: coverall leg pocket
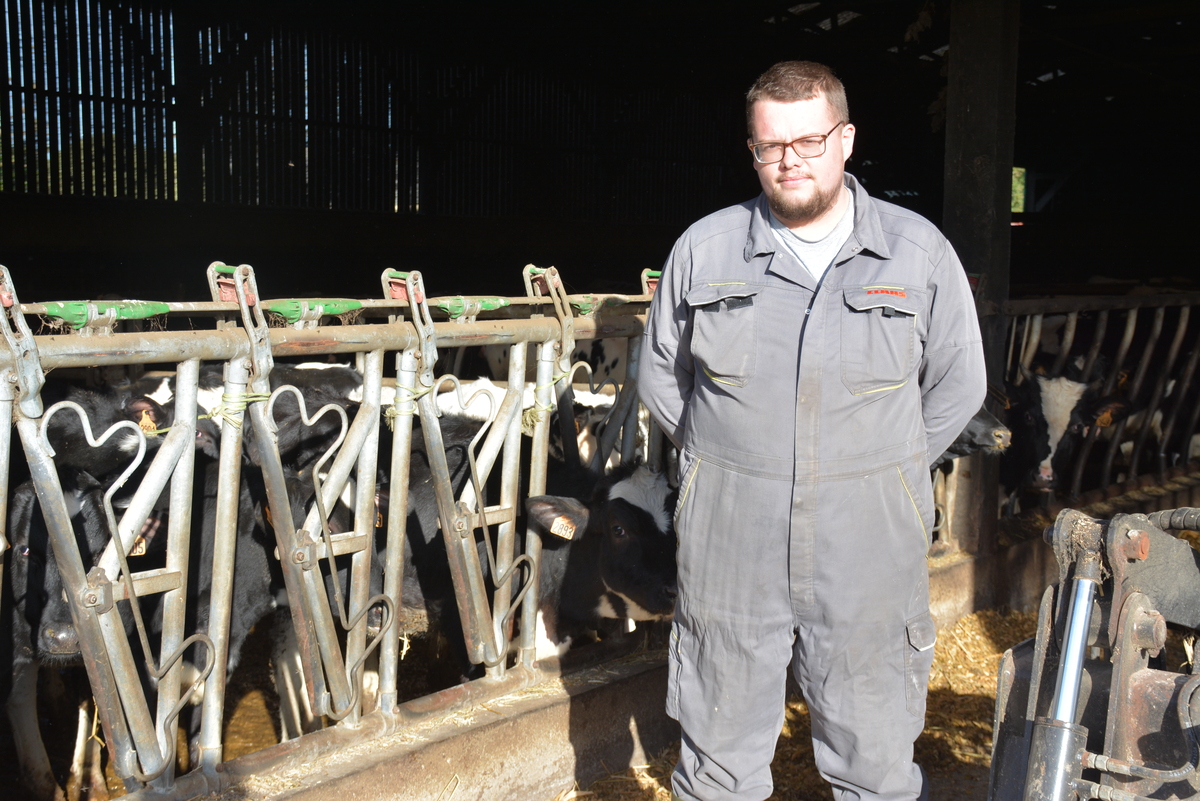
{"x":921,"y":634}
{"x":675,"y":669}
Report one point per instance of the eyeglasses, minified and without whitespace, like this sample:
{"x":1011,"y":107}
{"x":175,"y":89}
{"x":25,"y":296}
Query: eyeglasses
{"x":806,"y":147}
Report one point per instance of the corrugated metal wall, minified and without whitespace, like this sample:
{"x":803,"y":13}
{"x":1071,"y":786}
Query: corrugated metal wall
{"x":116,"y":100}
{"x":87,"y":105}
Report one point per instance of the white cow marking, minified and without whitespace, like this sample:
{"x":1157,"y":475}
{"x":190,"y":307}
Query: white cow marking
{"x":1060,"y":396}
{"x":632,"y":610}
{"x":387,"y":396}
{"x":483,"y":399}
{"x":647,"y":490}
{"x":209,"y":399}
{"x":546,"y":647}
{"x":163,"y":395}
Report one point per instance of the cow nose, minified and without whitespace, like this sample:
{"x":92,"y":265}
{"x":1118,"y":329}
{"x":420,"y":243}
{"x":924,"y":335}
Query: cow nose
{"x":61,"y":640}
{"x":1043,"y":478}
{"x":1003,"y":438}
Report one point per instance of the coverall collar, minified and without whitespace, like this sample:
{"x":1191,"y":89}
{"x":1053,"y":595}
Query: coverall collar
{"x":866,"y":236}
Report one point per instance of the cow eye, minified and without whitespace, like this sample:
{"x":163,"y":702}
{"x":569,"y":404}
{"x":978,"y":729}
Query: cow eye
{"x":618,"y":530}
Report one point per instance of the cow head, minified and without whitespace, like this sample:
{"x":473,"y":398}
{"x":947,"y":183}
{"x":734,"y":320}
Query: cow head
{"x":622,"y":547}
{"x":1049,"y":418}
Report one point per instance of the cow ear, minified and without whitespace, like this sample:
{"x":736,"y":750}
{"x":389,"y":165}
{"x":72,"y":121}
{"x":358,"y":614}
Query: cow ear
{"x":1110,"y":411}
{"x":562,"y":517}
{"x":145,"y":412}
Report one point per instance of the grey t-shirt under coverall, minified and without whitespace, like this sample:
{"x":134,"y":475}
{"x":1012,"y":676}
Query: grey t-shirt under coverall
{"x":808,"y":416}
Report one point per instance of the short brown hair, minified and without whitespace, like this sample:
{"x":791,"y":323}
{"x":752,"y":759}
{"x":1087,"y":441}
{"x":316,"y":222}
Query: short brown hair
{"x":789,"y":81}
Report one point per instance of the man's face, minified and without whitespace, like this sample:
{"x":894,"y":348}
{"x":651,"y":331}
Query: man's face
{"x":798,"y":190}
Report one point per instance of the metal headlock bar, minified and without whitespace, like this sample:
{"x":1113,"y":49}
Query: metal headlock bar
{"x":140,"y":723}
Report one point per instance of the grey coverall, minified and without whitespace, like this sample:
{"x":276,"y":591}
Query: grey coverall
{"x":808,"y":416}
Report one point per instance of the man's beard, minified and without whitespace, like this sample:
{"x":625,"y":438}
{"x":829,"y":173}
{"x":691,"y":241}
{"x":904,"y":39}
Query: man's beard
{"x":793,"y":209}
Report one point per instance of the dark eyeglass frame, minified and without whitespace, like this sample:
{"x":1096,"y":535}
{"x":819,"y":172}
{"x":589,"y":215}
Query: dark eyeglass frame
{"x":792,"y":144}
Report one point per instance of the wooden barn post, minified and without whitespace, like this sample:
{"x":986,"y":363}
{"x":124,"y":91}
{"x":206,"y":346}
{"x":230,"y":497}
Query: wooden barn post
{"x":980,"y":119}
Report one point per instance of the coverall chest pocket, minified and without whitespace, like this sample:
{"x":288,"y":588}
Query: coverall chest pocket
{"x":879,"y":335}
{"x":724,"y":331}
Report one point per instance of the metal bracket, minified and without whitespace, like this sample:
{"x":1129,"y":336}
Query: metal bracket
{"x":546,"y":282}
{"x":99,"y":323}
{"x":301,"y":313}
{"x":394,"y":287}
{"x":465,"y":521}
{"x":413,"y":290}
{"x":650,"y":279}
{"x":29,"y":374}
{"x":305,"y":554}
{"x":98,"y":594}
{"x":237,"y":284}
{"x":100,"y":317}
{"x":222,"y":285}
{"x":464,"y":309}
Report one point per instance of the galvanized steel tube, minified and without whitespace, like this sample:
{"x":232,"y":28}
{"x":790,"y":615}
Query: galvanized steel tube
{"x":505,"y":541}
{"x":397,"y":520}
{"x":179,"y":534}
{"x":364,"y":523}
{"x":237,"y":376}
{"x":547,"y":362}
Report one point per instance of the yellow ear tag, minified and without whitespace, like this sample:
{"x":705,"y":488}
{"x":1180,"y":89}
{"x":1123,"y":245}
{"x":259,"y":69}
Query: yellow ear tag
{"x":1105,"y":419}
{"x":563,"y":527}
{"x":147,"y":422}
{"x":139,"y":547}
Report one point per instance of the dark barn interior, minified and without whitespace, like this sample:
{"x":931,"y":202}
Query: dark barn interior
{"x":322,"y":142}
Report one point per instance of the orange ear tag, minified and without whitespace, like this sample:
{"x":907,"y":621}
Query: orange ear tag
{"x":562,"y":527}
{"x":147,"y":422}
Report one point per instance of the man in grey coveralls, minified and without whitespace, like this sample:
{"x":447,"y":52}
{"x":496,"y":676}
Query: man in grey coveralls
{"x":811,"y":352}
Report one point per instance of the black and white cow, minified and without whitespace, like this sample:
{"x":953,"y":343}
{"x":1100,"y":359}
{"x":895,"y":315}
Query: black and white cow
{"x":43,"y":630}
{"x":104,"y":408}
{"x":1050,"y":418}
{"x":610,"y":558}
{"x":983,"y":433}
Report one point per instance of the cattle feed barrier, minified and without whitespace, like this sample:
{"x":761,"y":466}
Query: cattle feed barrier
{"x":1138,"y":354}
{"x":395,"y":341}
{"x":249,"y":334}
{"x":1133,"y":355}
